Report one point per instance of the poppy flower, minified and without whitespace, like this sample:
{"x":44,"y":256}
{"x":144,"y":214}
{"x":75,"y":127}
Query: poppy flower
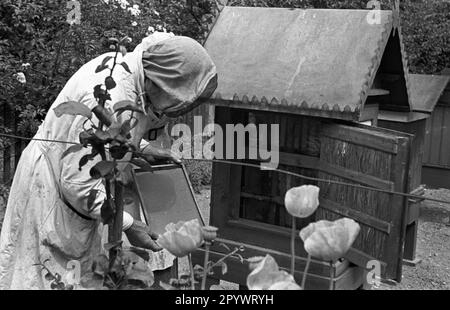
{"x":182,"y":238}
{"x":302,"y":201}
{"x":328,"y":240}
{"x":285,"y":286}
{"x":266,"y":275}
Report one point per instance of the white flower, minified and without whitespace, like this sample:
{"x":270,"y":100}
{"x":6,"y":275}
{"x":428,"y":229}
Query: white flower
{"x":328,"y":240}
{"x":266,"y":275}
{"x":25,"y":65}
{"x":150,"y":31}
{"x":302,"y":201}
{"x":134,"y":24}
{"x":20,"y":76}
{"x":182,"y":238}
{"x":123,"y":3}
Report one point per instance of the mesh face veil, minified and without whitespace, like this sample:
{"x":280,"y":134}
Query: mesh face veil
{"x":179,"y":75}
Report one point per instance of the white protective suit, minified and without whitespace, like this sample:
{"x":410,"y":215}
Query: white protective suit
{"x":39,"y":226}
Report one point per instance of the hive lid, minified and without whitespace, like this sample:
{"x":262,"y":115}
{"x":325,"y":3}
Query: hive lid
{"x":312,"y":62}
{"x":426,"y":90}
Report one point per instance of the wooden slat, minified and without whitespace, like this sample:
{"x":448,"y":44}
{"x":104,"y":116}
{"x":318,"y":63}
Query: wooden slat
{"x":378,"y":92}
{"x":273,"y":199}
{"x":258,"y":226}
{"x":362,"y":136}
{"x":291,"y":159}
{"x":436,"y":135}
{"x":427,"y":144}
{"x":298,"y":160}
{"x":356,"y":176}
{"x":444,"y":156}
{"x":358,"y":216}
{"x":361,"y":259}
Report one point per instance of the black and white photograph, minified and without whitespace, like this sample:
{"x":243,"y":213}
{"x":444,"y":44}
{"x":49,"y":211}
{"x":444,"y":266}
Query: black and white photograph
{"x":224,"y":147}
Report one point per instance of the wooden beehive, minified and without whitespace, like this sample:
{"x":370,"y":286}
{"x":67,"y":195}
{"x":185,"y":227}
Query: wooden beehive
{"x":431,"y":95}
{"x":421,"y":121}
{"x":318,"y":74}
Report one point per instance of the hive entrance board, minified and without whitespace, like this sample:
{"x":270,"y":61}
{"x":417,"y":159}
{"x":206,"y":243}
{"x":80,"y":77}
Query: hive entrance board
{"x":166,"y":196}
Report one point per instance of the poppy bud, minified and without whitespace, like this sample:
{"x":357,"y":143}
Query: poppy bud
{"x":302,"y":201}
{"x":210,"y":233}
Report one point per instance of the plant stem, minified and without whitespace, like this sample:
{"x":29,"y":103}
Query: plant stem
{"x":192,"y":272}
{"x":331,"y":275}
{"x":305,"y":272}
{"x":222,"y":259}
{"x":118,"y":216}
{"x":205,"y":266}
{"x":114,"y":228}
{"x":293,"y":246}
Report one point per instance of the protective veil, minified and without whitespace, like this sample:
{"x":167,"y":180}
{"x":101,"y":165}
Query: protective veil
{"x":39,"y":225}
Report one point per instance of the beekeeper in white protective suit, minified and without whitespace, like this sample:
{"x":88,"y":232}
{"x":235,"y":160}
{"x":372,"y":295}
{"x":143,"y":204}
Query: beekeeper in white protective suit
{"x":46,"y":217}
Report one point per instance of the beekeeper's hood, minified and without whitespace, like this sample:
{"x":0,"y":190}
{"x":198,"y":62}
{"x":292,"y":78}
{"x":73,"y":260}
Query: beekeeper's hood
{"x":177,"y":71}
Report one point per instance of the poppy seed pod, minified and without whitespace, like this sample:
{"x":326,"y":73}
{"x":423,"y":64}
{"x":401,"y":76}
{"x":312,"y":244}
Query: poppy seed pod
{"x":210,"y":233}
{"x":182,"y":238}
{"x":328,"y":240}
{"x":302,"y":201}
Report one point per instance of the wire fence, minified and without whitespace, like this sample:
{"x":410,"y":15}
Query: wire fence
{"x":240,"y":163}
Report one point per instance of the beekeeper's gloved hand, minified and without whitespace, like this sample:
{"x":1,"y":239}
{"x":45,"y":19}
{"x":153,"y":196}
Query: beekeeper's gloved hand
{"x":153,"y":153}
{"x":141,"y":236}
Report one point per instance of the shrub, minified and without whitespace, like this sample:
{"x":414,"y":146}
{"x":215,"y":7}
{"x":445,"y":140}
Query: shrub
{"x":199,"y":173}
{"x":37,"y":40}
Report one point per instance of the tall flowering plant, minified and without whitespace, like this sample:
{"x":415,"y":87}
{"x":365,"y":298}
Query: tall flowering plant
{"x":111,"y":140}
{"x":300,"y":202}
{"x":326,"y":240}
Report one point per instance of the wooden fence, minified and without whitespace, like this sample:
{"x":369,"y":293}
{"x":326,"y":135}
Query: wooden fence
{"x":10,"y":149}
{"x":436,"y":161}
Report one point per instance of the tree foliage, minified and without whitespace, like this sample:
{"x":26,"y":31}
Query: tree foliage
{"x":36,"y":39}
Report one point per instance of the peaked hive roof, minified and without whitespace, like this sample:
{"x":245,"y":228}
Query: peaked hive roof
{"x":313,"y":62}
{"x":426,"y":90}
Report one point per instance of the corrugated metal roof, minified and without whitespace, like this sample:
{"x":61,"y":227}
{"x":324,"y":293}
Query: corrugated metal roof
{"x":315,"y":62}
{"x":425,"y":90}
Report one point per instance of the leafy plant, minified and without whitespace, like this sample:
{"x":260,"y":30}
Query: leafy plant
{"x":109,"y":134}
{"x":55,"y":279}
